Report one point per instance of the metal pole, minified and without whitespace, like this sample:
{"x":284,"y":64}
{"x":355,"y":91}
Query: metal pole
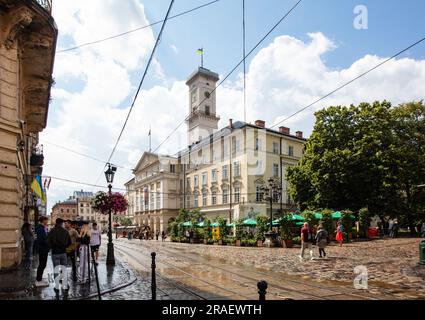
{"x":110,"y":259}
{"x":184,"y":185}
{"x":96,"y":275}
{"x":271,"y":209}
{"x":262,"y":287}
{"x":88,"y":263}
{"x":153,"y":282}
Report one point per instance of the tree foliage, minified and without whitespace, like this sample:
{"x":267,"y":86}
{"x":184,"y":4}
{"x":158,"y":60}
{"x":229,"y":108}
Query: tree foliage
{"x":367,"y":156}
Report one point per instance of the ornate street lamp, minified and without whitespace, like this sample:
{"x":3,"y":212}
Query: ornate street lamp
{"x":109,"y":174}
{"x":271,"y":191}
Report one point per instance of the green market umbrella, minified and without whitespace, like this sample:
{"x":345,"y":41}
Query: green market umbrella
{"x":249,"y":222}
{"x":215,"y":224}
{"x":201,"y":224}
{"x":338,"y":215}
{"x":318,"y":215}
{"x":298,"y":224}
{"x":187,"y":224}
{"x":297,"y":217}
{"x":276,"y":222}
{"x":232,"y":225}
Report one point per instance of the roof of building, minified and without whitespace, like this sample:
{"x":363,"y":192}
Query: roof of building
{"x":69,"y":202}
{"x":238,"y":125}
{"x":83,"y":194}
{"x":205,"y":72}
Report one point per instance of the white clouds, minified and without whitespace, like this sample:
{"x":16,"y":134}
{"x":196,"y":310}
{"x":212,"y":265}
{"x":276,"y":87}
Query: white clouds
{"x":290,"y":74}
{"x":283,"y":77}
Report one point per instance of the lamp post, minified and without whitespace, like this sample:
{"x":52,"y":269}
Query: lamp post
{"x":109,"y":174}
{"x":272,"y":190}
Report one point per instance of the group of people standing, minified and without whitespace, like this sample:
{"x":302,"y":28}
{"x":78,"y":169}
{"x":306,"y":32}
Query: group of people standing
{"x":321,"y":238}
{"x":66,"y":244}
{"x":148,"y":235}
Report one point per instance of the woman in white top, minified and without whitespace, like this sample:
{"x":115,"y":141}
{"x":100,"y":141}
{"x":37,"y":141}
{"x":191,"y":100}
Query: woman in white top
{"x":95,"y":239}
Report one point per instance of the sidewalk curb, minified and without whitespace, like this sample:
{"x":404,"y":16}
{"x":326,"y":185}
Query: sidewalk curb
{"x":133,"y":279}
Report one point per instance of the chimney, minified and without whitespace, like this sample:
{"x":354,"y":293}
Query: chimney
{"x":231,"y":124}
{"x":299,"y":134}
{"x":260,"y":123}
{"x":285,"y":130}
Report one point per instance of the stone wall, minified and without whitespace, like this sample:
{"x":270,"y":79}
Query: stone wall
{"x":26,"y":30}
{"x":11,"y":175}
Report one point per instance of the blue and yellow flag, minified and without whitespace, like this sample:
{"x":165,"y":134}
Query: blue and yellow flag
{"x":37,"y":187}
{"x":201,"y":51}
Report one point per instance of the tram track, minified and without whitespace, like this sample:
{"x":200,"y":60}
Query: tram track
{"x":254,"y":280}
{"x":177,"y":284}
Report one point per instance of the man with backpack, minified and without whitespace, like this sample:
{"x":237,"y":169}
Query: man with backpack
{"x":307,"y":239}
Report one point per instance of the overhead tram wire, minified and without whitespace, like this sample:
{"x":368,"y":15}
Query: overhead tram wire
{"x":82,"y":154}
{"x":131,"y":190}
{"x":231,"y":72}
{"x":350,"y":82}
{"x":137,"y":29}
{"x":158,"y":40}
{"x":130,"y":31}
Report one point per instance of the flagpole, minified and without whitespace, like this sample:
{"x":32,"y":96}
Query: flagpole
{"x":150,"y":139}
{"x":202,"y":57}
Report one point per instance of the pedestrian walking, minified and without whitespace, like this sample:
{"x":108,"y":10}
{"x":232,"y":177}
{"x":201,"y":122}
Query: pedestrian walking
{"x":42,"y":247}
{"x":163,"y":236}
{"x":423,"y":230}
{"x":71,"y":251}
{"x":157,"y":235}
{"x":340,"y":233}
{"x":58,"y":240}
{"x":95,"y":240}
{"x":395,"y":229}
{"x":306,"y":240}
{"x":84,"y":241}
{"x":187,"y":234}
{"x":390,"y":228}
{"x":28,"y":235}
{"x":322,"y":239}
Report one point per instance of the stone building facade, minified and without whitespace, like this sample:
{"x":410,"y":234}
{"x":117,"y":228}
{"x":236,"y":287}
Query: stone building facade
{"x":221,"y":171}
{"x":28,"y":37}
{"x":66,"y":210}
{"x":153,"y":194}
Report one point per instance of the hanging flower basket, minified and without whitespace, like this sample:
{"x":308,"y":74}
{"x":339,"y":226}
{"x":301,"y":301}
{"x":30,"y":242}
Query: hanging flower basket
{"x":103,"y":202}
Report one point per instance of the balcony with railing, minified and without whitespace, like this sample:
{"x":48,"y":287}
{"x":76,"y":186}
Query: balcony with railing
{"x":46,"y":4}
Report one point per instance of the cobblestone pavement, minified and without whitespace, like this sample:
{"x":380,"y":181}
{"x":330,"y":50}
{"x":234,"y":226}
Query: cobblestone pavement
{"x":392,"y":265}
{"x":19,"y":285}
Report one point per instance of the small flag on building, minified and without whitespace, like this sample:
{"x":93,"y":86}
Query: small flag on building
{"x":37,"y":187}
{"x":201,"y":52}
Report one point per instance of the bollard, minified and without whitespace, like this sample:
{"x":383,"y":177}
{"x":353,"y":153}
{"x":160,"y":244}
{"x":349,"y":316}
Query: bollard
{"x":262,"y":287}
{"x":153,"y":283}
{"x":96,"y":275}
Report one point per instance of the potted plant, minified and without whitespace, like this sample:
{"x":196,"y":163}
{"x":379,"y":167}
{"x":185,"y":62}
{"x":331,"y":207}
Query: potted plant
{"x":261,"y":229}
{"x":286,"y":234}
{"x":238,"y":232}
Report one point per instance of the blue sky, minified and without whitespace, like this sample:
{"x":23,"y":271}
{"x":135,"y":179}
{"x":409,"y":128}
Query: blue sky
{"x":312,"y":52}
{"x":393,"y":25}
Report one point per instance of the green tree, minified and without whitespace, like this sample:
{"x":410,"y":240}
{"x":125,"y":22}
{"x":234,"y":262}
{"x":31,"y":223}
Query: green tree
{"x":125,"y":222}
{"x":262,"y":227}
{"x":371,"y":155}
